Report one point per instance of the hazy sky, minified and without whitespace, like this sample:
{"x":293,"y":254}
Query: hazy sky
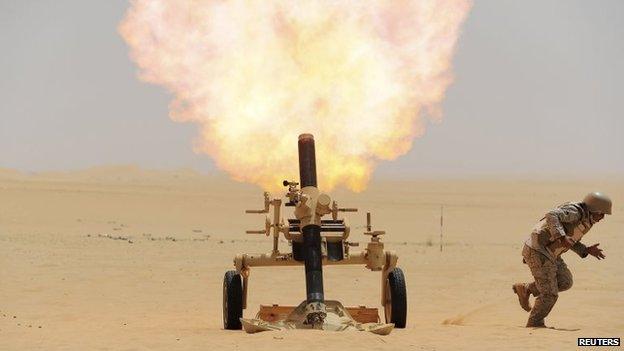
{"x":538,"y":91}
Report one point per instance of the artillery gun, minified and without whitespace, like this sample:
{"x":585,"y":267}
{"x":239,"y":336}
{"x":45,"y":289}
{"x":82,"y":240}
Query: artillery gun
{"x":315,"y":242}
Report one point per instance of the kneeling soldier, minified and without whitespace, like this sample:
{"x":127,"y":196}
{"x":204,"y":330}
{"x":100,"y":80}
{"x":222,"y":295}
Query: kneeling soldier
{"x":560,"y":230}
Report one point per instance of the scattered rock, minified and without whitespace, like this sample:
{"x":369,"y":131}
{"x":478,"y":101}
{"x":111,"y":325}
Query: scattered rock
{"x":205,"y":238}
{"x":108,"y":236}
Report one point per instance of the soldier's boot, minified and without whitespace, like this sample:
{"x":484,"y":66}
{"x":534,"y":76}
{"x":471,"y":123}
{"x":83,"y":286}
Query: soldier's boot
{"x":535,"y":324}
{"x":543,"y":305}
{"x":523,"y":295}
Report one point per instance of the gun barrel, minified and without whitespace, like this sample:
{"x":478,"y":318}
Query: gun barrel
{"x":311,"y":232}
{"x":307,"y":161}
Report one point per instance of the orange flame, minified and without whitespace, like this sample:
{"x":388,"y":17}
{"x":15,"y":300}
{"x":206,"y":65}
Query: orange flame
{"x":254,"y":74}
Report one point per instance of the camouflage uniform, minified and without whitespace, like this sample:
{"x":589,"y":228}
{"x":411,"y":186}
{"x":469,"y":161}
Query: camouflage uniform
{"x":542,"y":254}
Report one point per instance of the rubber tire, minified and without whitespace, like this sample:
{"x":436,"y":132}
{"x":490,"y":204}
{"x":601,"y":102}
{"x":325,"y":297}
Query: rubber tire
{"x":232,"y":300}
{"x":398,"y":295}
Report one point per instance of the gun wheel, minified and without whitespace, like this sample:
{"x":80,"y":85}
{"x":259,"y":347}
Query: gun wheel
{"x":395,"y":307}
{"x":232,"y":300}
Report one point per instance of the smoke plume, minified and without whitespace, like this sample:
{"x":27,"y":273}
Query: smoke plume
{"x":254,"y":74}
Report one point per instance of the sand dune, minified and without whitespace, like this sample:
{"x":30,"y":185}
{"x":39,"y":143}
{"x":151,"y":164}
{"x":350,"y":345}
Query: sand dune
{"x":128,"y":259}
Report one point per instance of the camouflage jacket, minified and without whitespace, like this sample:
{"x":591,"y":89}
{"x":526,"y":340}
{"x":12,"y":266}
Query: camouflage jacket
{"x":571,"y":219}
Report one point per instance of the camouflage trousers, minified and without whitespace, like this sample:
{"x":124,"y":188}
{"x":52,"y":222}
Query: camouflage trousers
{"x":550,"y":278}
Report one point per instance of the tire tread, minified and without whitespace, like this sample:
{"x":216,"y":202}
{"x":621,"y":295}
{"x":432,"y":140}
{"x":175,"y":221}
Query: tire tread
{"x":398,"y":293}
{"x":233,"y":289}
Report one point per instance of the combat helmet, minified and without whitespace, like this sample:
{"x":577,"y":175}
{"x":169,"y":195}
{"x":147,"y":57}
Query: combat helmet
{"x":598,"y":203}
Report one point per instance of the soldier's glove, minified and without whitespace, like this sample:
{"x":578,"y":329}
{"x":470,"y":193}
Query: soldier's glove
{"x":595,"y":251}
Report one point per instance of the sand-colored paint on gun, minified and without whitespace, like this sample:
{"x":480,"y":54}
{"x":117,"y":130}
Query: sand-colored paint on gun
{"x":315,"y":242}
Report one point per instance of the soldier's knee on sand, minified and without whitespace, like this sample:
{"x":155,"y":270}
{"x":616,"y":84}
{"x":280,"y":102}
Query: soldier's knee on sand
{"x":565,"y":284}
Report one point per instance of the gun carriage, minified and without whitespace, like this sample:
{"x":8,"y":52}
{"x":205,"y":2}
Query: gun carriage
{"x":315,"y":242}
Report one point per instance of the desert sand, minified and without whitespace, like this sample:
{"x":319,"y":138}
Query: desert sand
{"x":119,"y":258}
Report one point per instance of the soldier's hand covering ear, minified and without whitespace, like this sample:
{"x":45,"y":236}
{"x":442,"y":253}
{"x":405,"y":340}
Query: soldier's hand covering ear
{"x":595,"y":251}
